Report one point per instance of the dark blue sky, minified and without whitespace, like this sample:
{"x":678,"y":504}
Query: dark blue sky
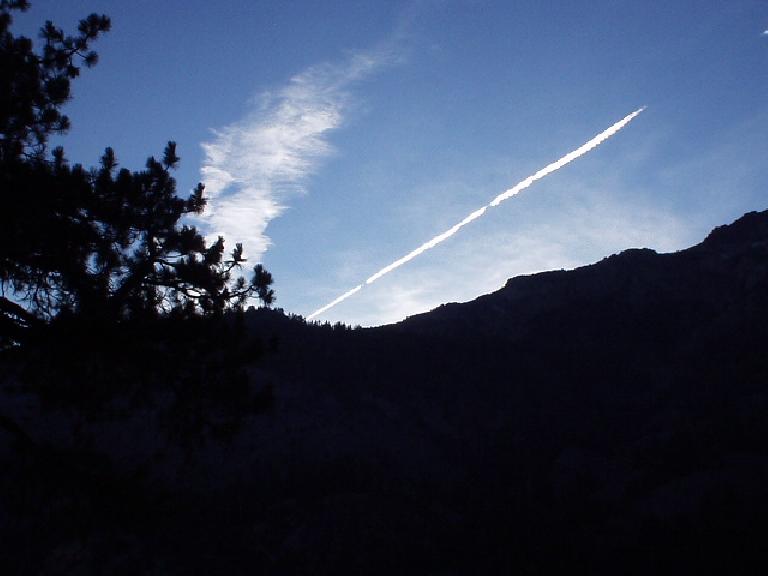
{"x":341,"y":135}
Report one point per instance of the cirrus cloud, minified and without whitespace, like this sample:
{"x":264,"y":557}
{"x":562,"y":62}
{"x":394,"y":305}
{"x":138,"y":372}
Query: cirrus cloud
{"x":251,"y":166}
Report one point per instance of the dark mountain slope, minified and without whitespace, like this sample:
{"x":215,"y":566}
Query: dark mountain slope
{"x":609,"y":419}
{"x":610,"y":416}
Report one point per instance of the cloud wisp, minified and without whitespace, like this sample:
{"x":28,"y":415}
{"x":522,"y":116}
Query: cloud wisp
{"x":516,"y":189}
{"x":250,"y":166}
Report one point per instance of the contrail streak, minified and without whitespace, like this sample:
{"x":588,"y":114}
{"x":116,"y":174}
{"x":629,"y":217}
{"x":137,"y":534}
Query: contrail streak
{"x":332,"y":304}
{"x":516,"y":189}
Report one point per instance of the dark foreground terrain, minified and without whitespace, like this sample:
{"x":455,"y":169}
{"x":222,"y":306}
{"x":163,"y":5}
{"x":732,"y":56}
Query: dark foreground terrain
{"x":606,"y":420}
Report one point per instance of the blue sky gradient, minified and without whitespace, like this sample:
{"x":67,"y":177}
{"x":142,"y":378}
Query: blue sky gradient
{"x":457,"y":101}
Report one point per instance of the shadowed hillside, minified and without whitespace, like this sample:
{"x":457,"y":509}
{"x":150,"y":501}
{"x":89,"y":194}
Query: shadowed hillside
{"x":608,"y":419}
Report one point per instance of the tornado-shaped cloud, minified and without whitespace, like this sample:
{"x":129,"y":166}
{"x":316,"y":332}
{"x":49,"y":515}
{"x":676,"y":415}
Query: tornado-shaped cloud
{"x":516,"y":189}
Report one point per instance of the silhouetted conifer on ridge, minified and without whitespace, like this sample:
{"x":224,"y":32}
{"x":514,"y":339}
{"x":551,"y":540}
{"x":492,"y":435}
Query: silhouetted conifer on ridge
{"x":103,"y":243}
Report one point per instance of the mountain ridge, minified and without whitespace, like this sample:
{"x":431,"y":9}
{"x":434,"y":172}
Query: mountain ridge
{"x":625,"y":272}
{"x":606,"y":419}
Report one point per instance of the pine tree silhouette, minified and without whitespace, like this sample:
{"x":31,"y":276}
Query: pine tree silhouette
{"x":103,"y":243}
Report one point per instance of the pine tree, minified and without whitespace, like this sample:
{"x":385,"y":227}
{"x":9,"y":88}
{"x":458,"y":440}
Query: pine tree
{"x":103,"y":243}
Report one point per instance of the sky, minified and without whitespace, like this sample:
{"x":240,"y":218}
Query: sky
{"x":336,"y":137}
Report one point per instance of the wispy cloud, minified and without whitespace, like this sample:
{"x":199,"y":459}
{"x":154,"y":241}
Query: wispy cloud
{"x":252,"y":165}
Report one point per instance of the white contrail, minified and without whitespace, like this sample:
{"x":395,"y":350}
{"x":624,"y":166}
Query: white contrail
{"x":332,"y":304}
{"x":517,"y":188}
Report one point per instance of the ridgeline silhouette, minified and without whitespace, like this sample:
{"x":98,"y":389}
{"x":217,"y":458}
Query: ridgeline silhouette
{"x":605,"y":419}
